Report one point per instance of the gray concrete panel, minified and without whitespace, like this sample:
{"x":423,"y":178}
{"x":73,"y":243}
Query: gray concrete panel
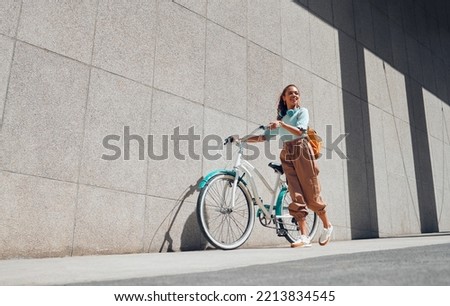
{"x":349,"y":59}
{"x":398,"y":147}
{"x":442,"y":200}
{"x":118,"y":46}
{"x":445,"y":42}
{"x":327,"y":108}
{"x":377,"y":76}
{"x":364,"y":23}
{"x":171,"y":226}
{"x":333,"y":191}
{"x":180,"y":52}
{"x":324,"y":52}
{"x":395,"y":12}
{"x":423,"y":34}
{"x":198,"y":6}
{"x":217,"y":126}
{"x":36,"y":216}
{"x":9,"y":17}
{"x":108,"y":221}
{"x":414,"y":59}
{"x":396,"y":87}
{"x":177,"y":130}
{"x":323,"y":9}
{"x":434,"y":35}
{"x":66,"y":28}
{"x":264,"y":78}
{"x":409,"y":18}
{"x":434,"y":115}
{"x":382,"y":35}
{"x":296,"y":32}
{"x":230,"y":14}
{"x":303,"y":79}
{"x":226,"y":71}
{"x":116,"y":104}
{"x":355,"y":137}
{"x":43,"y":121}
{"x":343,"y":17}
{"x":446,"y":120}
{"x":429,"y":75}
{"x":6,"y":54}
{"x":438,"y":157}
{"x":379,"y":170}
{"x":402,"y":207}
{"x":399,"y":55}
{"x":264,"y":26}
{"x":441,"y":79}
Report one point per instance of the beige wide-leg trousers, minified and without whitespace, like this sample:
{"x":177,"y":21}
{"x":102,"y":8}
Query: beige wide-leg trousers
{"x":300,"y":168}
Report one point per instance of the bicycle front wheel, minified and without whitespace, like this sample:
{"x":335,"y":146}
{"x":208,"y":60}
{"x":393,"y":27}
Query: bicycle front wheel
{"x":225,"y":225}
{"x":288,"y":225}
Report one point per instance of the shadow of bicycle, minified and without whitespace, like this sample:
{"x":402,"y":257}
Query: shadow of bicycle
{"x":190,"y":238}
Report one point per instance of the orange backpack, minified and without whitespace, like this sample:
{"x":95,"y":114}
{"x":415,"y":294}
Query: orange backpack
{"x":315,"y":141}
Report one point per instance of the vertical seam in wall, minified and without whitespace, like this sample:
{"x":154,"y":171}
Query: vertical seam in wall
{"x":313,"y":73}
{"x":200,"y":236}
{"x":204,"y":75}
{"x":146,"y":200}
{"x":16,"y":31}
{"x":280,"y":9}
{"x":247,"y":118}
{"x":80,"y":158}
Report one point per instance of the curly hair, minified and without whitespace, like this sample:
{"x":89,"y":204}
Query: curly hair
{"x":282,"y":107}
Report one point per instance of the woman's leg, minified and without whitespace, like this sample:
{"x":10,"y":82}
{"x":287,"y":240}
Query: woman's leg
{"x":298,"y":207}
{"x":307,"y":172}
{"x":324,"y":218}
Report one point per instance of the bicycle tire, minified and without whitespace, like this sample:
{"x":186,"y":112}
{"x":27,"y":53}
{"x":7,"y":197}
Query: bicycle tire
{"x":225,"y":227}
{"x":287,"y":223}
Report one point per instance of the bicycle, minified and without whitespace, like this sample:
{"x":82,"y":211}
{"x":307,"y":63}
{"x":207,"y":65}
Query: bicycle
{"x":225,"y":206}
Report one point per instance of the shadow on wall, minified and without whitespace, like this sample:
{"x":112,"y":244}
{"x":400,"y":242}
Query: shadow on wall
{"x":389,"y":30}
{"x":191,"y":237}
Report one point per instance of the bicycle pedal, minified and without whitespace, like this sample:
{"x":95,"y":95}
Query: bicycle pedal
{"x":281,"y":232}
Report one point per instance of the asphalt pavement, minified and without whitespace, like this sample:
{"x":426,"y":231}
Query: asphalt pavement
{"x":415,"y":260}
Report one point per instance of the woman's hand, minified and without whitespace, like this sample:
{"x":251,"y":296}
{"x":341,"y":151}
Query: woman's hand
{"x":274,"y":124}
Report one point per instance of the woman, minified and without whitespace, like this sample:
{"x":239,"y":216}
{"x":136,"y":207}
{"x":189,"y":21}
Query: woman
{"x":299,"y":164}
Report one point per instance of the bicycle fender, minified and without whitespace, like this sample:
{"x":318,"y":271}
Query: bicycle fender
{"x":279,"y":205}
{"x":207,"y":177}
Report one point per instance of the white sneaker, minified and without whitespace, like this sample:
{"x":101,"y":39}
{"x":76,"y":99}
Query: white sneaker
{"x":303,"y":242}
{"x":325,"y":237}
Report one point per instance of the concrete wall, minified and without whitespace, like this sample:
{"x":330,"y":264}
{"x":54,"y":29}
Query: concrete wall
{"x":73,"y":72}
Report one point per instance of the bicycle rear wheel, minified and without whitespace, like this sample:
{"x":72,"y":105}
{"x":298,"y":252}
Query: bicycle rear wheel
{"x":224,"y":225}
{"x":288,"y":225}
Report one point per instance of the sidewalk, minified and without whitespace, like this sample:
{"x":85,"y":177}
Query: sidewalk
{"x":69,"y":270}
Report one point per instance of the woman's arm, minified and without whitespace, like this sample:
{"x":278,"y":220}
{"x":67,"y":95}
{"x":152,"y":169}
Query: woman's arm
{"x":259,"y":138}
{"x":291,"y":129}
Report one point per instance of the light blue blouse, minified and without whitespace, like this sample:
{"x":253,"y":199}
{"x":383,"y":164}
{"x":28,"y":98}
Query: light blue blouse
{"x":298,"y":117}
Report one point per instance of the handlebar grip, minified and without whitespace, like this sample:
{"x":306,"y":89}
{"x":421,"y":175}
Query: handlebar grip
{"x":229,"y":139}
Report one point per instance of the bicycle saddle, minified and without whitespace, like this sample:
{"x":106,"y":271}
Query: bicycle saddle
{"x":277,"y":167}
